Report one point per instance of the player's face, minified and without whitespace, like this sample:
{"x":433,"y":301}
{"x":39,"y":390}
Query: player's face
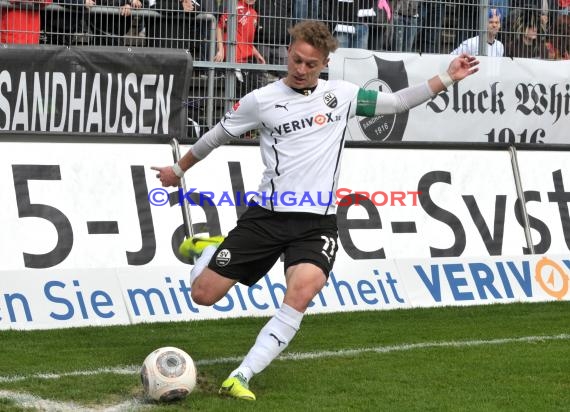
{"x":304,"y":65}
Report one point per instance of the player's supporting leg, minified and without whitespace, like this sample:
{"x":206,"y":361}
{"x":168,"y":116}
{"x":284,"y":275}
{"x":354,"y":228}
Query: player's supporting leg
{"x":304,"y":281}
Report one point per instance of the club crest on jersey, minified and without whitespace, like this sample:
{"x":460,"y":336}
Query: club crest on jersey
{"x":330,"y":100}
{"x":223,"y":257}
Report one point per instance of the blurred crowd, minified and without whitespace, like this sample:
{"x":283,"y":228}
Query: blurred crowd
{"x":511,"y":28}
{"x":256,"y":32}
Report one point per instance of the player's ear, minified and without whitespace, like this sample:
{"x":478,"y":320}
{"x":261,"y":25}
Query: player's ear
{"x":326,"y":62}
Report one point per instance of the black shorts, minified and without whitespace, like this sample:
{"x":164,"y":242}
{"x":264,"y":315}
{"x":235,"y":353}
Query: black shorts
{"x":261,"y":236}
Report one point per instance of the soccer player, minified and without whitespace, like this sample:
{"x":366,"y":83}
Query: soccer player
{"x":301,"y":121}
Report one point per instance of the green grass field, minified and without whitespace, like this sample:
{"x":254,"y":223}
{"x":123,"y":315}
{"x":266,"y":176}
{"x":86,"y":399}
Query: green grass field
{"x":512,"y":357}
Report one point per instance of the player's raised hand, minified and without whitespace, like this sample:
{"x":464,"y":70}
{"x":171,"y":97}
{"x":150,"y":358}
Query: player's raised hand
{"x":462,"y":66}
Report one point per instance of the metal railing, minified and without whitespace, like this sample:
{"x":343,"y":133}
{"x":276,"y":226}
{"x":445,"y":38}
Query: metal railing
{"x":431,"y":27}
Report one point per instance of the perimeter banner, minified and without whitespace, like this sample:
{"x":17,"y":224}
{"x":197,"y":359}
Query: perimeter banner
{"x":90,"y":237}
{"x":94,"y":90}
{"x":508,"y":100}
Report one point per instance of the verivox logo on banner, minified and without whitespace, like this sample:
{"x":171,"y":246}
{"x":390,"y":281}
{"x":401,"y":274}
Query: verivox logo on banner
{"x":469,"y":281}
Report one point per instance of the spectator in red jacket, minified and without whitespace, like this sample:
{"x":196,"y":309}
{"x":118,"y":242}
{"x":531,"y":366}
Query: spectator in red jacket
{"x":246,"y":22}
{"x":245,"y":33}
{"x":20,"y":24}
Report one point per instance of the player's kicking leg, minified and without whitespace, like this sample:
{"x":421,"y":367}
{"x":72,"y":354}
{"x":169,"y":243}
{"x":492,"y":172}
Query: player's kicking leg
{"x":193,"y":247}
{"x":201,"y":250}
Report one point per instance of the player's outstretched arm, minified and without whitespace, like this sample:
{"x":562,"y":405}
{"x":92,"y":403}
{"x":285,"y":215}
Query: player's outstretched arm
{"x":372,"y":103}
{"x":462,"y":66}
{"x":171,"y":175}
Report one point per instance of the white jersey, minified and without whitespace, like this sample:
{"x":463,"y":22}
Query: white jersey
{"x":301,"y":139}
{"x":471,"y":46}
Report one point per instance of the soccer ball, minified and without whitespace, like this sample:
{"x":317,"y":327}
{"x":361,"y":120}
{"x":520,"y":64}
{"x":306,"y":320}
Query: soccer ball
{"x":168,"y":374}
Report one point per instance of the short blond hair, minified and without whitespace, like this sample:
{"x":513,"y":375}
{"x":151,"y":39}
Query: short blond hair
{"x":315,"y":33}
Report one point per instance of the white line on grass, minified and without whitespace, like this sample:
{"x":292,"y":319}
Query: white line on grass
{"x":128,"y":370}
{"x":26,"y":400}
{"x":30,"y":401}
{"x":424,"y":345}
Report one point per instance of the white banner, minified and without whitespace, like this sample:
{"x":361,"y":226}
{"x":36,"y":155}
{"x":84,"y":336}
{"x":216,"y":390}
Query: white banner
{"x":520,"y":100}
{"x":90,"y":238}
{"x":82,"y":206}
{"x":53,"y":298}
{"x":545,"y":179}
{"x":465,"y":207}
{"x":63,"y":298}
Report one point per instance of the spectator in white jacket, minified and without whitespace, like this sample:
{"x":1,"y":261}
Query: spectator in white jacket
{"x":494,"y":47}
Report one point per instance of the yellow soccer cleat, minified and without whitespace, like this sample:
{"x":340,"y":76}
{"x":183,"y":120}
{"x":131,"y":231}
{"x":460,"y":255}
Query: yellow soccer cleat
{"x":237,"y":387}
{"x":193,"y":247}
